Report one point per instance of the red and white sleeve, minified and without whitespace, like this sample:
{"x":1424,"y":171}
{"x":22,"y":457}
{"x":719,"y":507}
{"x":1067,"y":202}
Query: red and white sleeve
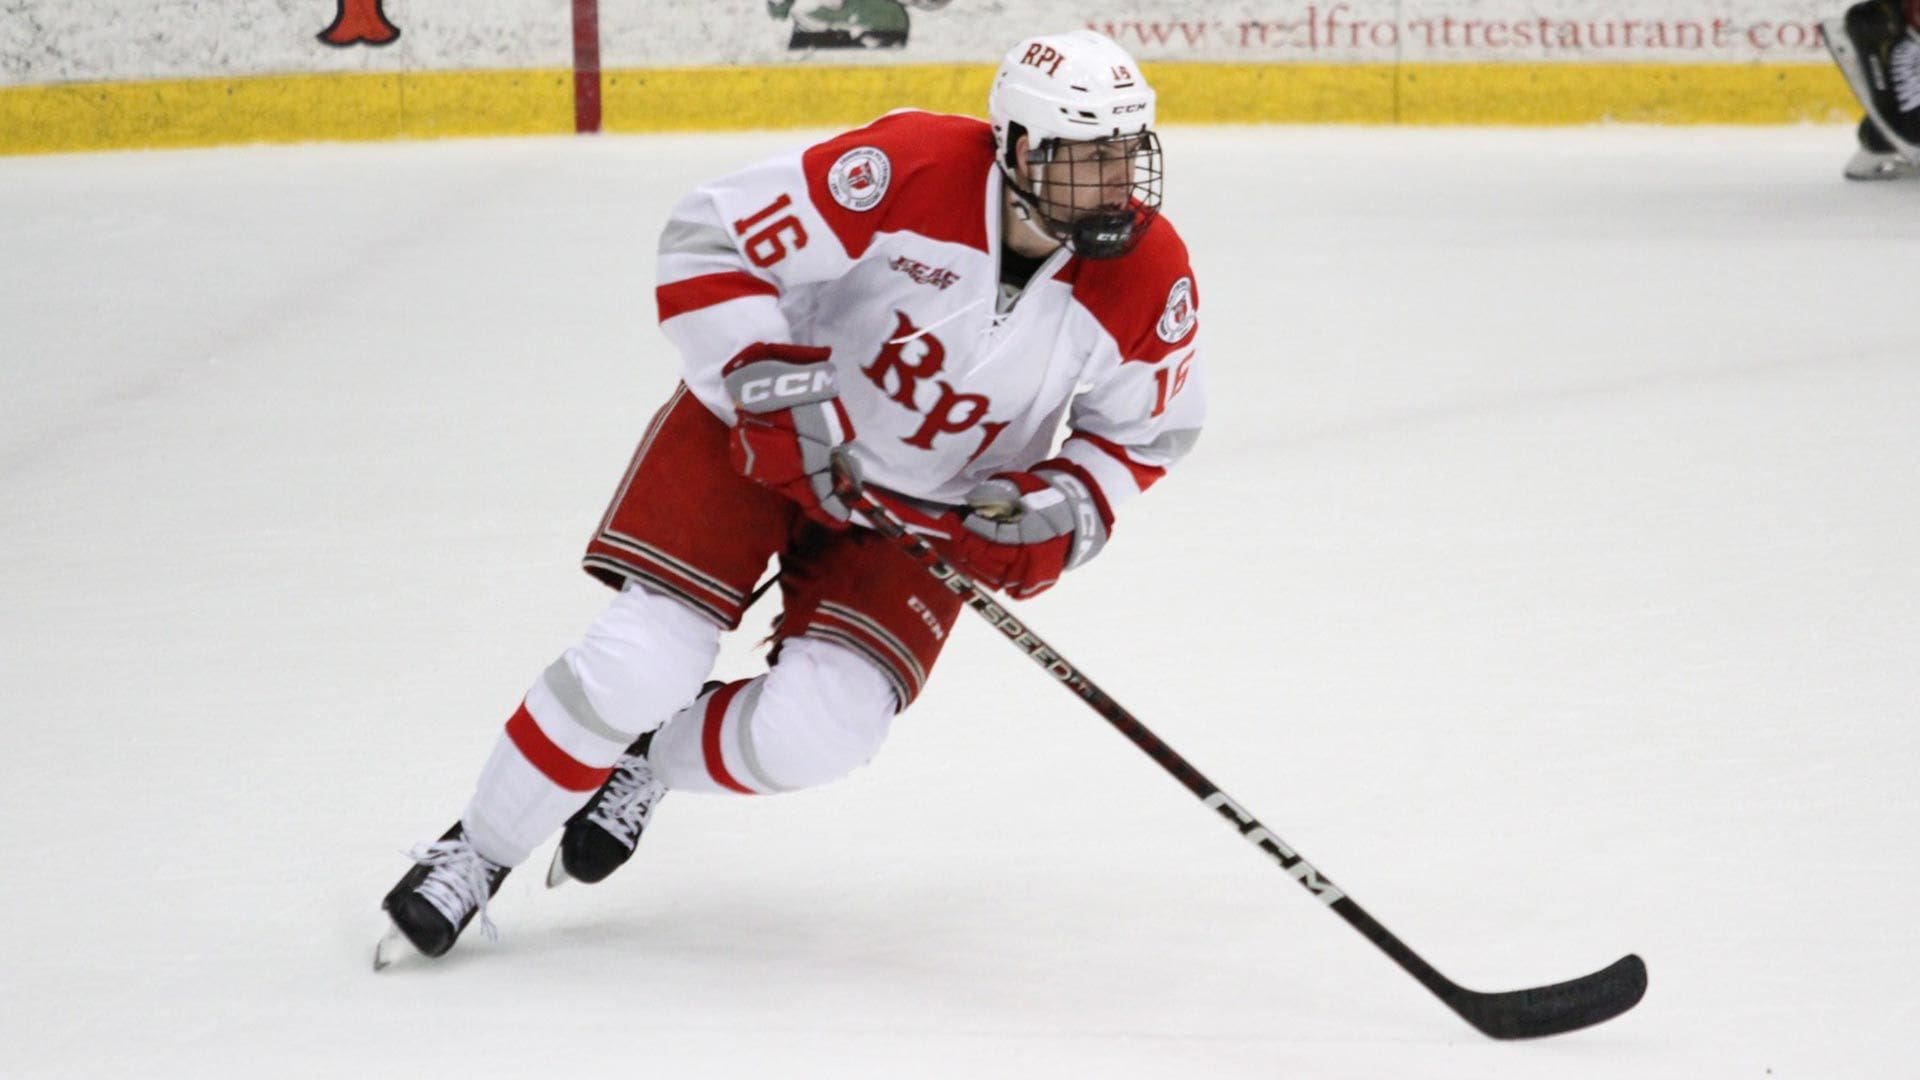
{"x":1130,"y":429}
{"x":729,"y":252}
{"x":734,"y":249}
{"x":1147,"y":399}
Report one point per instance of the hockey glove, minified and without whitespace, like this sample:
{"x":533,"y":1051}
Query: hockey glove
{"x":1022,"y":530}
{"x":788,"y":419}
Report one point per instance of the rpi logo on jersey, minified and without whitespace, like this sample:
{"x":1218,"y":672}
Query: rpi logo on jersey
{"x":358,"y":22}
{"x":858,"y":181}
{"x":1177,"y":321}
{"x":952,"y":412}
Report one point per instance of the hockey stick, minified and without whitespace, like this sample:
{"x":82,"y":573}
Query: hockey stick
{"x":1513,"y":1014}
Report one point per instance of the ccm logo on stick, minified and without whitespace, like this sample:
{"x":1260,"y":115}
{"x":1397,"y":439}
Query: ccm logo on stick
{"x":1289,"y":859}
{"x":791,"y":384}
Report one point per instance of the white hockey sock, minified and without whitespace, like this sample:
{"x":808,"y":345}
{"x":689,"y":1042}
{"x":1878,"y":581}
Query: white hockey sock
{"x":641,"y":659}
{"x":822,"y":712}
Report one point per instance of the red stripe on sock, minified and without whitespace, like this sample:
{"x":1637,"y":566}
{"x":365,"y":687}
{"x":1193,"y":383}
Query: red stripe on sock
{"x":559,"y":766}
{"x":710,"y":737}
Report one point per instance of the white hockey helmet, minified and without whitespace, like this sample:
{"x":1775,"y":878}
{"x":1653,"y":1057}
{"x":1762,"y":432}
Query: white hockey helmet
{"x":1077,"y":87}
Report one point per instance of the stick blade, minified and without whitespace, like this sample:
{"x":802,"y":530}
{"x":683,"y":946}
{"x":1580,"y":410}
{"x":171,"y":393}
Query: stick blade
{"x":1551,"y":1010}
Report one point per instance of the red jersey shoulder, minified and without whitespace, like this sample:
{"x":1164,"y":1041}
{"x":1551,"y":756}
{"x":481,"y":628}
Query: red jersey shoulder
{"x":905,"y":172}
{"x":1147,"y":299}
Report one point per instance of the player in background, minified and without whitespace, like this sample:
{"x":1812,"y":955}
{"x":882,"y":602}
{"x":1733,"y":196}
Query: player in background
{"x":1877,"y":46}
{"x":940,"y":299}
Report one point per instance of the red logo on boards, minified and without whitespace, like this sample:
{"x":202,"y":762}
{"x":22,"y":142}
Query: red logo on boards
{"x":357,"y":22}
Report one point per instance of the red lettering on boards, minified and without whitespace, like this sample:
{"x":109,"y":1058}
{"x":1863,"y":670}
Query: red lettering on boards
{"x":358,"y":22}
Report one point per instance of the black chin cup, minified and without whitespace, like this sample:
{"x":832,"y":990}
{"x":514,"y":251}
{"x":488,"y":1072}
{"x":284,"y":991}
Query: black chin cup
{"x":1104,"y":234}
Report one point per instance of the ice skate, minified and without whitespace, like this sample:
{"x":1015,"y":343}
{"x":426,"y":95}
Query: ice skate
{"x":435,"y":901}
{"x":1876,"y":159}
{"x":1879,"y":53}
{"x":601,"y":836}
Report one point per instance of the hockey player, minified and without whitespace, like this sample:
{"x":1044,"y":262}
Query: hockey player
{"x":936,"y":297}
{"x":1877,"y":47}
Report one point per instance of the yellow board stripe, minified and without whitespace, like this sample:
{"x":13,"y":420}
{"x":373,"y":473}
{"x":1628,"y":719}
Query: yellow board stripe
{"x":1630,"y":94}
{"x":282,"y":108}
{"x":296,"y":108}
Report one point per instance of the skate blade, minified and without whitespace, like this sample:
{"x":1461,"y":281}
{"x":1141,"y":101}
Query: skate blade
{"x":392,"y":946}
{"x":557,"y":871}
{"x":1881,"y":168}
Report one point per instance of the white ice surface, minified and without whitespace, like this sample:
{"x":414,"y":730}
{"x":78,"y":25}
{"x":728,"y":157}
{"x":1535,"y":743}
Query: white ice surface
{"x":1549,"y":575}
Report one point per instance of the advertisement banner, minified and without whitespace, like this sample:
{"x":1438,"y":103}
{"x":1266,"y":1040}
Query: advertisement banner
{"x":53,"y":41}
{"x":99,"y":73}
{"x":838,"y":32}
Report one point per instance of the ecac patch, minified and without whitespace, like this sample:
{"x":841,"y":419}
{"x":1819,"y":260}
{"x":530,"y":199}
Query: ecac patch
{"x":1177,"y":321}
{"x":858,"y":181}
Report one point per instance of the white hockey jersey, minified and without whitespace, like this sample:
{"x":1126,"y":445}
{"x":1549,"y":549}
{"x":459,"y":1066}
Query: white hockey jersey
{"x":883,"y":245}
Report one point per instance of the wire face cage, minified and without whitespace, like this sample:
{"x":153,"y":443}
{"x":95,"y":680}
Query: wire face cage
{"x":1098,"y":194}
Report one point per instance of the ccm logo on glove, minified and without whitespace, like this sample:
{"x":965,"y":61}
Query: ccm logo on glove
{"x":788,"y":419}
{"x":808,"y":385}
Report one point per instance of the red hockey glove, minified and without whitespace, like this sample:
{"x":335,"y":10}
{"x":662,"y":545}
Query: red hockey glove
{"x":788,"y":419}
{"x":1022,"y":530}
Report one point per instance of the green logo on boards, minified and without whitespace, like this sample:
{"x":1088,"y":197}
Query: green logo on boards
{"x":850,"y":24}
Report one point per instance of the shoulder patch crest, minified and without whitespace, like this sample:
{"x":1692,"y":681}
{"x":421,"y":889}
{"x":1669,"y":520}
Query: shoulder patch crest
{"x":858,"y":181}
{"x":1177,"y":321}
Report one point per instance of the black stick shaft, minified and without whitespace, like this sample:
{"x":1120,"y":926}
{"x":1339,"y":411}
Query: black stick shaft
{"x":1075,"y":680}
{"x":1512,"y":1014}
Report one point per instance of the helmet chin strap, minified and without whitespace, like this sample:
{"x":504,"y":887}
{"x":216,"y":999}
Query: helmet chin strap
{"x":1026,"y":209}
{"x":1024,"y":212}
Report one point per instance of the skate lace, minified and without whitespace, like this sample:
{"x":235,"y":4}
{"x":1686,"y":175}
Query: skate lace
{"x":628,"y":800}
{"x":1904,"y":72}
{"x":461,"y":880}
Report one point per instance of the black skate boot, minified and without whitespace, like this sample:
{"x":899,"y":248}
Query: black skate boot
{"x":600,"y":836}
{"x":436,"y":899}
{"x":1876,"y":159}
{"x":1877,"y":47}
